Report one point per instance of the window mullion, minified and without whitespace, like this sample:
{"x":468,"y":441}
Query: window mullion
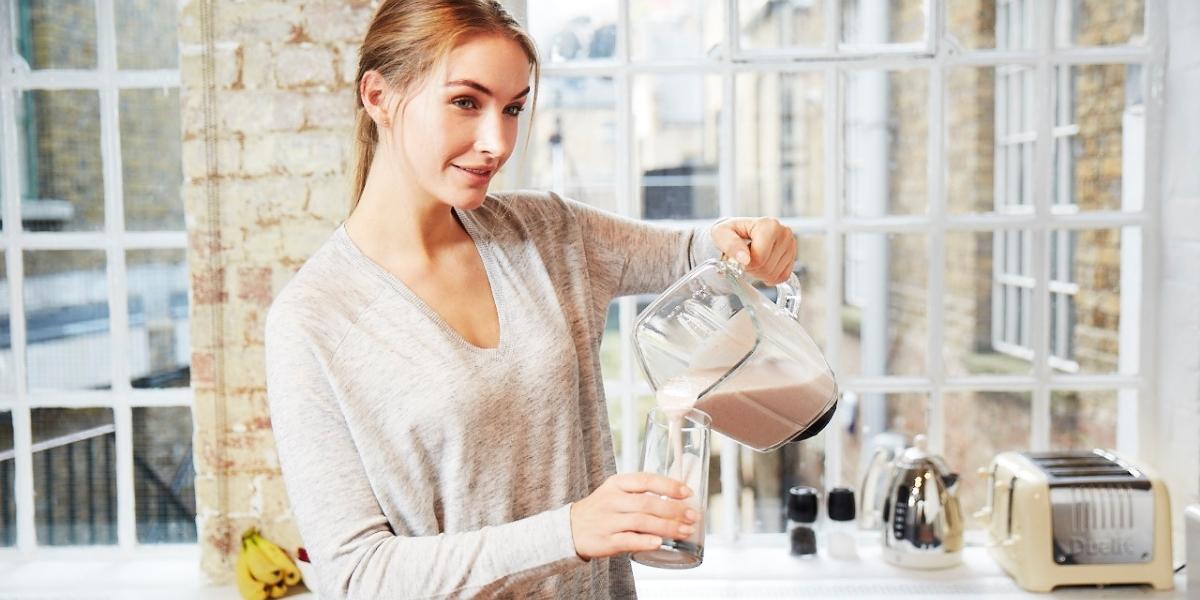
{"x":731,"y":485}
{"x":118,"y":314}
{"x":13,"y":255}
{"x":833,"y":129}
{"x":1044,"y":21}
{"x":937,"y":239}
{"x":626,"y":193}
{"x":1138,"y":420}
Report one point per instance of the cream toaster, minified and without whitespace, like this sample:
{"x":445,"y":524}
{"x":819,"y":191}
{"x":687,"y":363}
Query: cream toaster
{"x":1077,"y":518}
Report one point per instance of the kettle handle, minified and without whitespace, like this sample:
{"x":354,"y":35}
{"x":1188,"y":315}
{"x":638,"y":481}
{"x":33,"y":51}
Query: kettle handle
{"x":788,"y":296}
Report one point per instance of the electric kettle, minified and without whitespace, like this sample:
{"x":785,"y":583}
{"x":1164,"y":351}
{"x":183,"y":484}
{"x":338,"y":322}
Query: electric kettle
{"x":921,"y":518}
{"x":752,"y":367}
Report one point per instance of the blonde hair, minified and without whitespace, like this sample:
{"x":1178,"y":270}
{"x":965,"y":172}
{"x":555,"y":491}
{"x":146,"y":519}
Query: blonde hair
{"x":407,"y":38}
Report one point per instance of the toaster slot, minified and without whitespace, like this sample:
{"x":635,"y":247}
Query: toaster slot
{"x":1105,"y":471}
{"x":1012,"y":486}
{"x":1089,"y":461}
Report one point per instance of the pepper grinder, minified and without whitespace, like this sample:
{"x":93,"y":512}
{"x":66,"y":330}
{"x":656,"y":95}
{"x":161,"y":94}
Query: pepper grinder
{"x":802,"y":514}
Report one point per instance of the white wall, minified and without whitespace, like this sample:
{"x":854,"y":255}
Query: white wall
{"x":1179,"y":246}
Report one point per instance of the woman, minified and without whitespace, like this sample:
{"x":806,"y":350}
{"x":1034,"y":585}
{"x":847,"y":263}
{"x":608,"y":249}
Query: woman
{"x":433,"y":369}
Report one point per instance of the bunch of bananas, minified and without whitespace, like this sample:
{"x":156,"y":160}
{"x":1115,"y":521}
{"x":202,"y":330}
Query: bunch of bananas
{"x":264,"y":569}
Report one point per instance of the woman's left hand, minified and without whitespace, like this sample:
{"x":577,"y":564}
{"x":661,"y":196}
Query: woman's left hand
{"x":771,"y":251}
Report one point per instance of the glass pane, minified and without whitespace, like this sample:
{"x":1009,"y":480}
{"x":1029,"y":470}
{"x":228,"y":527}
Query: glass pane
{"x":62,"y":181}
{"x":980,"y":425}
{"x":1083,"y":420}
{"x":982,"y":306}
{"x":870,"y":22}
{"x":715,"y":519}
{"x":1099,"y":136}
{"x":574,"y":139}
{"x":878,"y":419}
{"x":642,"y":403}
{"x":780,"y":144}
{"x":147,"y":34}
{"x":772,"y":24}
{"x":970,"y":141}
{"x":767,"y":476}
{"x":1085,"y":292}
{"x":8,"y":482}
{"x":811,"y":271}
{"x":975,"y":24}
{"x":58,"y":34}
{"x":66,"y":315}
{"x":151,"y":163}
{"x":74,"y":476}
{"x":610,"y":344}
{"x":567,"y":31}
{"x":664,"y":29}
{"x":163,"y":475}
{"x":675,"y":120}
{"x":885,"y":308}
{"x":1101,"y":22}
{"x":159,"y":335}
{"x":7,"y":375}
{"x":886,"y":131}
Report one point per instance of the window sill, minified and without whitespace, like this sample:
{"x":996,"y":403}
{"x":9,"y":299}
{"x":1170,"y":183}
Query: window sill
{"x":760,"y":567}
{"x":756,"y":567}
{"x":84,"y":574}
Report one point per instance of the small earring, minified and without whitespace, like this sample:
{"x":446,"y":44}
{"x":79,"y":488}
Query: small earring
{"x":385,"y":123}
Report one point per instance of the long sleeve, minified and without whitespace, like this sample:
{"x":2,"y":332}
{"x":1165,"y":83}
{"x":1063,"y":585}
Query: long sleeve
{"x":356,"y":552}
{"x":632,"y":256}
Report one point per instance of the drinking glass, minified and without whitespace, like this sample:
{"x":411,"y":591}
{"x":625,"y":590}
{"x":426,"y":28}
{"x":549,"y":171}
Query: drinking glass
{"x":685,"y":461}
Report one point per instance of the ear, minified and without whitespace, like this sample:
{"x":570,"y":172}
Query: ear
{"x":377,"y":97}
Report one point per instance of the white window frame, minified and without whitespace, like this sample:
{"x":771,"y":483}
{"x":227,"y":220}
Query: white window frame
{"x":108,"y":81}
{"x":938,"y":52}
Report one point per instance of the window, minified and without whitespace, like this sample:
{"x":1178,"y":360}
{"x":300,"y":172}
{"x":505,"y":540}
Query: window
{"x":1014,"y":184}
{"x":95,"y":418}
{"x":964,"y":181}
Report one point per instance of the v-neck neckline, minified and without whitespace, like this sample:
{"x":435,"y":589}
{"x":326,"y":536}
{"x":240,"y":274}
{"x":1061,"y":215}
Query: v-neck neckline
{"x":482,"y":246}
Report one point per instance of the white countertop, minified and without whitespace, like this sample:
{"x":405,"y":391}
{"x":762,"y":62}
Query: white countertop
{"x":758,"y":568}
{"x":764,"y":570}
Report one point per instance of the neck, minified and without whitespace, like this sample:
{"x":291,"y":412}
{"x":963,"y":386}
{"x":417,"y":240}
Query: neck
{"x":395,"y":218}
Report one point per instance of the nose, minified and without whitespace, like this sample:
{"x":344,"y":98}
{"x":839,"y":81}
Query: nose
{"x":495,"y":135}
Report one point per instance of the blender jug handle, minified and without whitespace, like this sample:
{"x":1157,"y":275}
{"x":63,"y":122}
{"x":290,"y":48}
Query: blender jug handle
{"x":788,"y":296}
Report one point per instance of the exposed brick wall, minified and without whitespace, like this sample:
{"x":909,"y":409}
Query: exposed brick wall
{"x":283,"y":124}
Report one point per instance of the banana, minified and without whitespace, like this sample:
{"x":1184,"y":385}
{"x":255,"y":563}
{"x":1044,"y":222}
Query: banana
{"x":261,"y":567}
{"x":291,"y":575}
{"x":278,"y":590}
{"x":248,"y":587}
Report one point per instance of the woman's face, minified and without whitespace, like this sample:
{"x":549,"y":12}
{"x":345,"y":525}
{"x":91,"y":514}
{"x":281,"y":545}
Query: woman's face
{"x":460,"y":126}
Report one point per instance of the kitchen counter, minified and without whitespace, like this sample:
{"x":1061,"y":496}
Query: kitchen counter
{"x":761,"y":568}
{"x":758,"y":568}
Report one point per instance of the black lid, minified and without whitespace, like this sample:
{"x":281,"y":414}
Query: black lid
{"x":802,"y":504}
{"x":841,"y":504}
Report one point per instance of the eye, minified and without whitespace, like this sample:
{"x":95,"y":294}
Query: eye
{"x":464,"y":102}
{"x":514,"y":110}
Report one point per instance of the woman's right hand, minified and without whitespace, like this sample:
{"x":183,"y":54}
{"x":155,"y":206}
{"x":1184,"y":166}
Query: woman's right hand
{"x":631,"y":512}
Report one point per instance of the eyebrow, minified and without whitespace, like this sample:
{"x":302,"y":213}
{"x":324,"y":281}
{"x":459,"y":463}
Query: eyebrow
{"x":480,"y":87}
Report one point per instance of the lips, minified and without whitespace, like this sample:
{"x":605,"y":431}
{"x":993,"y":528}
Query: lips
{"x":475,"y":176}
{"x":481,"y":171}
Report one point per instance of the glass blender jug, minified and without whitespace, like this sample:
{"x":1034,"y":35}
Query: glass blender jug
{"x":758,"y":375}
